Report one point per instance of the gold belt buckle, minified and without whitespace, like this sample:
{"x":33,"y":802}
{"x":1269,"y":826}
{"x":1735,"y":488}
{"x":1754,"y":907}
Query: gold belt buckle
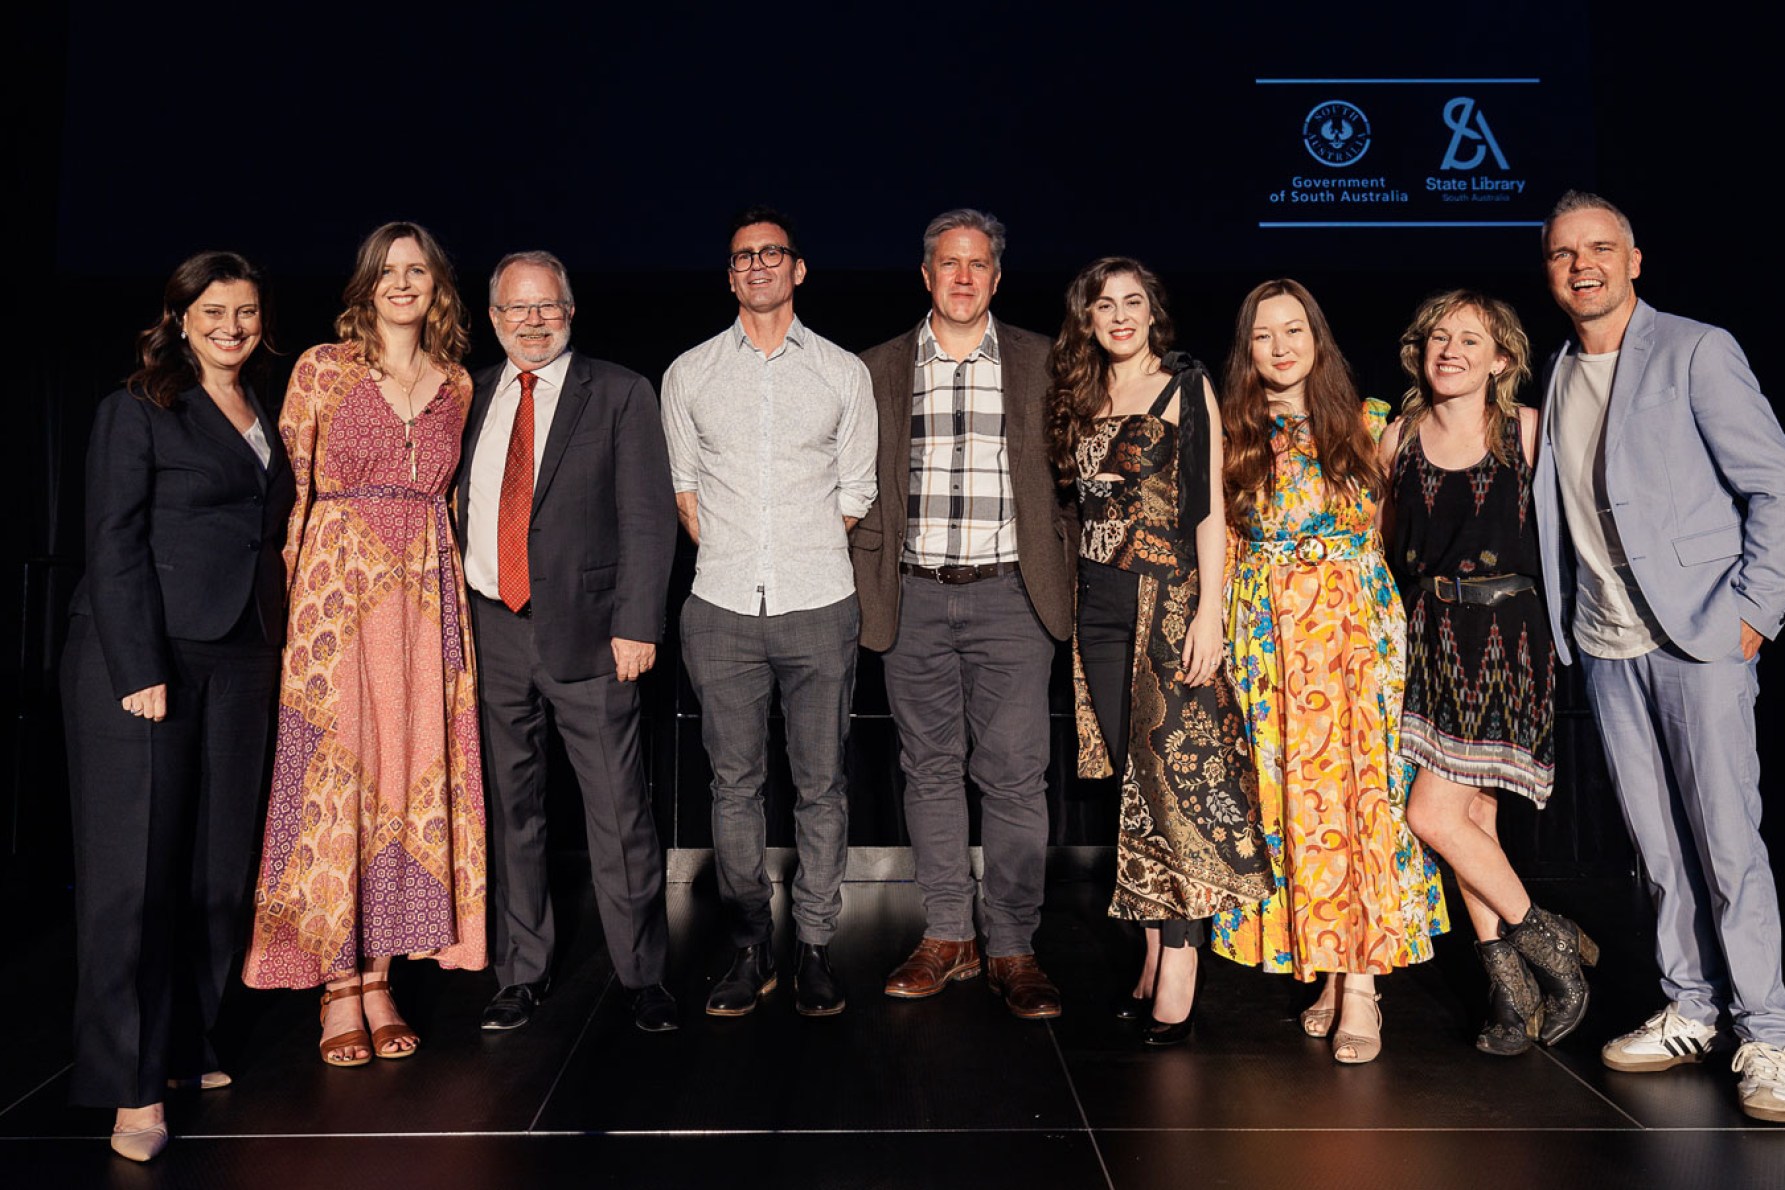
{"x":1438,"y":582}
{"x":1310,"y":550}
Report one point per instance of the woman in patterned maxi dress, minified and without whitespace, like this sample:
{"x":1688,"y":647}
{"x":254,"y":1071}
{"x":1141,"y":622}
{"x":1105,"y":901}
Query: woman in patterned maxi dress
{"x":1317,"y":635}
{"x":375,"y":830}
{"x":1155,"y":707}
{"x":1481,"y":668}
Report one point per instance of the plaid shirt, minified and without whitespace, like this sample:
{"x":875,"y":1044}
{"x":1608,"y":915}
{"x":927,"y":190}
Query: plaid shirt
{"x":961,"y":511}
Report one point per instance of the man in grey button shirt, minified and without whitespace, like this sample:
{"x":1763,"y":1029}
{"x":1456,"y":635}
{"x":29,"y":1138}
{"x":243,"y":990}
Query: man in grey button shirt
{"x":772,"y":436}
{"x":1660,"y":498}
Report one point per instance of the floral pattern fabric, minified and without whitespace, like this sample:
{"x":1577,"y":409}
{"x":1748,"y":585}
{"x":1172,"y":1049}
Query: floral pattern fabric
{"x":375,"y":828}
{"x":1187,"y":843}
{"x":1317,"y":637}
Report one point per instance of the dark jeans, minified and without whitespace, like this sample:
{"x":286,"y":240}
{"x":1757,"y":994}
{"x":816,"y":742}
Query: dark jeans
{"x":967,"y":681}
{"x":734,"y":663}
{"x":1107,"y":601}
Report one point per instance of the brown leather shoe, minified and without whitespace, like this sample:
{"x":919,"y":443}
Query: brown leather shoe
{"x":1026,"y":989}
{"x":931,"y":966}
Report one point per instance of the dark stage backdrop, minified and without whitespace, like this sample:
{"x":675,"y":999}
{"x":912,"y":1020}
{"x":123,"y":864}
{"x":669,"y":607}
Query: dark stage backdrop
{"x":1378,"y":152}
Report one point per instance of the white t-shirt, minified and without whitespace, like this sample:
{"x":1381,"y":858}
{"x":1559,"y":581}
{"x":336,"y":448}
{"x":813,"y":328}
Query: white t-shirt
{"x":256,"y":435}
{"x":1611,"y":620}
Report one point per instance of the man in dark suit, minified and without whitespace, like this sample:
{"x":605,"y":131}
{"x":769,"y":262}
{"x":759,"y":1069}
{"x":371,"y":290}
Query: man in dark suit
{"x":568,"y":532}
{"x":964,"y":568}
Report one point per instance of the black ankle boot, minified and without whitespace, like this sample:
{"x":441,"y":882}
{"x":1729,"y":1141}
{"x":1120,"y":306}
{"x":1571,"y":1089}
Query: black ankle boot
{"x":1556,"y":950}
{"x":816,"y":989}
{"x":751,"y":976}
{"x":1515,"y":1003}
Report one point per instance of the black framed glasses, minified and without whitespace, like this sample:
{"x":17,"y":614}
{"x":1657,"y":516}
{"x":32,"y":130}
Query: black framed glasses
{"x":547,"y":311}
{"x":771,"y":256}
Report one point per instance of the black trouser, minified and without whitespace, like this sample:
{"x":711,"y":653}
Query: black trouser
{"x":1107,"y":604}
{"x":166,"y":817}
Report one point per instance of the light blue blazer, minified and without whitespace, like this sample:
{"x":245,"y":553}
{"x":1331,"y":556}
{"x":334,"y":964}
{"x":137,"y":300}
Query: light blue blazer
{"x":1694,"y":465}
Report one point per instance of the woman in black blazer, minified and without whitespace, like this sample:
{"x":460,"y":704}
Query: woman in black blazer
{"x":168,"y":685}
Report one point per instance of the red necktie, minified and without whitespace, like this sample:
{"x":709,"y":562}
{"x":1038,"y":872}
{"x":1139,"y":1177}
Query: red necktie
{"x":516,"y":507}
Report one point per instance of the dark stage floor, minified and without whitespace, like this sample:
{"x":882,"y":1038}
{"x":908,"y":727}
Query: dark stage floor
{"x":941,"y":1093}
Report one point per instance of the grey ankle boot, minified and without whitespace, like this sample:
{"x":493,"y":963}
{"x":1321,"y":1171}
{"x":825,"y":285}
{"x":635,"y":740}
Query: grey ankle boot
{"x":1556,"y":950}
{"x":1515,"y":1003}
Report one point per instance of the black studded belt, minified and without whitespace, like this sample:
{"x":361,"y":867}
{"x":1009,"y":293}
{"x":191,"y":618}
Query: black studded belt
{"x":1486,"y":590}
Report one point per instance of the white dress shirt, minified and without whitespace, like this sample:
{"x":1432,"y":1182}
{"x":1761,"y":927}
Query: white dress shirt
{"x":778,"y":449}
{"x":491,"y":458}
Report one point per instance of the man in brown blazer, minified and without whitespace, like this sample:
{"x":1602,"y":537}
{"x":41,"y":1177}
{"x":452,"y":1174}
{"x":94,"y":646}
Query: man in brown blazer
{"x":964,"y":569}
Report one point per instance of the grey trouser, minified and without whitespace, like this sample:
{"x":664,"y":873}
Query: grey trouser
{"x":734,"y":663}
{"x":597,"y":720}
{"x":971,"y":666}
{"x":1679,"y":739}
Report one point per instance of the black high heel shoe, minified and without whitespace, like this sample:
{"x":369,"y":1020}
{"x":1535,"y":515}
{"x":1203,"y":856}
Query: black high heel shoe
{"x":1159,"y":1035}
{"x":1129,"y":1007}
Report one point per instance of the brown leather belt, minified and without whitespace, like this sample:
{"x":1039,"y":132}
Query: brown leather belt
{"x":955,"y":576}
{"x":1486,"y":590}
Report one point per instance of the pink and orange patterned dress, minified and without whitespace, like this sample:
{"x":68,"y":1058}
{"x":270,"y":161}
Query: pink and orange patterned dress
{"x":1318,"y":641}
{"x":375,"y":830}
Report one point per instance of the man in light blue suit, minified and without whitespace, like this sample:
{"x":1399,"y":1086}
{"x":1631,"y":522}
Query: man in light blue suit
{"x":1660,"y":493}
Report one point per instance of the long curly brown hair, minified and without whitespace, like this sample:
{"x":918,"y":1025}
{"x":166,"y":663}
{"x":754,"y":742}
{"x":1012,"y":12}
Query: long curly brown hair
{"x":1335,"y":432}
{"x":166,"y":365}
{"x":1078,"y":365}
{"x":1502,"y":323}
{"x":444,"y":339}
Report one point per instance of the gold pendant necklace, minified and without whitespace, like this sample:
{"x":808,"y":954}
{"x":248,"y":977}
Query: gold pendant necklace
{"x":409,"y":421}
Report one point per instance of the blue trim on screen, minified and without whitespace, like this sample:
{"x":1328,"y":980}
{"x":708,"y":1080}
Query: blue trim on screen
{"x":1412,"y":223}
{"x":1342,"y":82}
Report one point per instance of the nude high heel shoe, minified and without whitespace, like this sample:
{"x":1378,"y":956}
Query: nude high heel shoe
{"x":1353,"y":1049}
{"x":140,"y":1144}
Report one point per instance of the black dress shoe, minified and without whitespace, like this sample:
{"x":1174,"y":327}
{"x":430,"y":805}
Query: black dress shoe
{"x":816,"y":989}
{"x":1129,"y":1007}
{"x":752,"y":975}
{"x":654,"y":1010}
{"x":513,"y":1006}
{"x":1158,"y":1035}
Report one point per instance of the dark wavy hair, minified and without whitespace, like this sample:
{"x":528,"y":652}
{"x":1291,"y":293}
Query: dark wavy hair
{"x":1335,"y":428}
{"x":444,"y":338}
{"x":166,"y":366}
{"x":1502,"y":324}
{"x":1078,"y":364}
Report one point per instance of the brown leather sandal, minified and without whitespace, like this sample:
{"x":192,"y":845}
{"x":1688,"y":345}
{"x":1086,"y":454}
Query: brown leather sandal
{"x":384,"y":1035}
{"x":347,"y":1040}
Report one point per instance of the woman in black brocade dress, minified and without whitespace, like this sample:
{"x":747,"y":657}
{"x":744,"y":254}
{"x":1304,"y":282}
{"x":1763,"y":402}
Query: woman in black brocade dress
{"x":1479,"y":711}
{"x":1155,"y":707}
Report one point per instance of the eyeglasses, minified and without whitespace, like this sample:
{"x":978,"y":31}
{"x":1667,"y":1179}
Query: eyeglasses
{"x":770,"y":255}
{"x":547,"y":311}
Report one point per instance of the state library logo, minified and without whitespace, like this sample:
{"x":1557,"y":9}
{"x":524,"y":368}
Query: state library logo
{"x":1336,"y":133}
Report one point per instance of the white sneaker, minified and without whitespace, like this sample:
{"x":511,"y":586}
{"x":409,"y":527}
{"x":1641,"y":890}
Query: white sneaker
{"x":1665,"y":1040}
{"x":1762,"y":1088}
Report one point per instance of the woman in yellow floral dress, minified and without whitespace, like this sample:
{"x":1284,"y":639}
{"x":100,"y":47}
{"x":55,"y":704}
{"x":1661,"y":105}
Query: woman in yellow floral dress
{"x":375,"y":829}
{"x":1317,"y":636}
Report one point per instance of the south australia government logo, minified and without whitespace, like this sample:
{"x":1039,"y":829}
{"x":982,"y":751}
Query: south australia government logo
{"x":1336,"y":133}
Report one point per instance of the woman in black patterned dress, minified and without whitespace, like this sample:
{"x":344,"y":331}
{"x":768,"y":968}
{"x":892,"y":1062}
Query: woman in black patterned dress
{"x":1479,"y":712}
{"x":1155,"y":708}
